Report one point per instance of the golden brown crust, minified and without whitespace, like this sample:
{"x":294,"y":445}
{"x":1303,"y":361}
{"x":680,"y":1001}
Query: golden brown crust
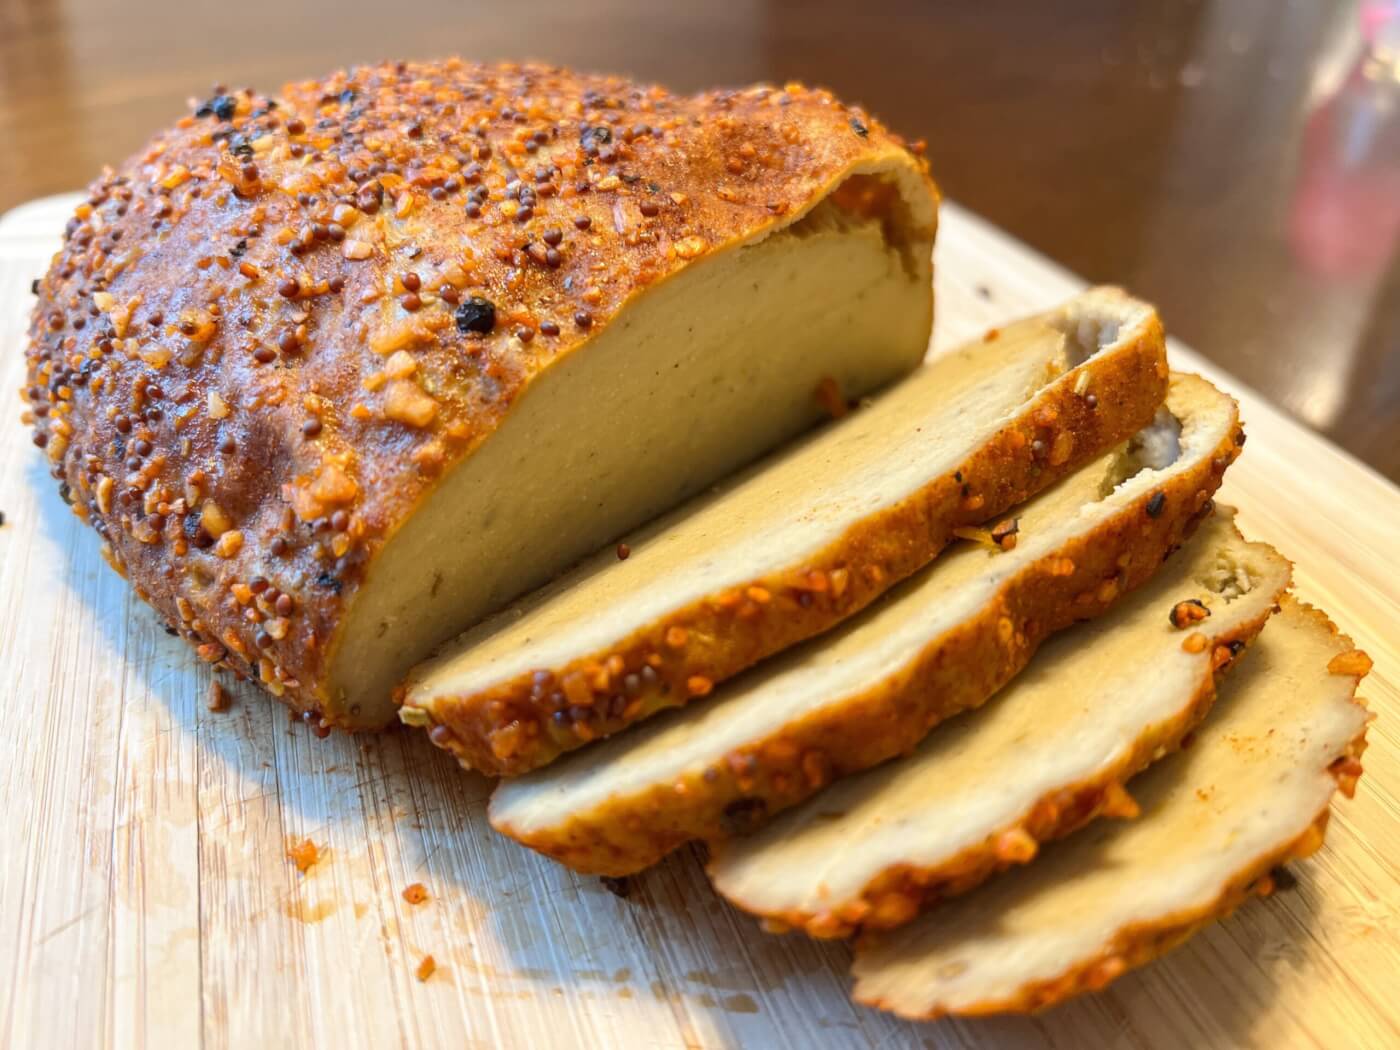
{"x":1079,"y":580}
{"x":512,"y":727}
{"x":900,"y":893}
{"x":1141,"y":943}
{"x":261,"y":345}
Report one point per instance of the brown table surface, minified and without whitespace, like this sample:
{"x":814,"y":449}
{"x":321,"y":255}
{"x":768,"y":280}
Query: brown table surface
{"x":1236,"y":162}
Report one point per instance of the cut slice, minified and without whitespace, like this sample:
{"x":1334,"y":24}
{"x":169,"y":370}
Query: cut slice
{"x":1250,"y":794}
{"x":802,"y":541}
{"x":1096,"y":705}
{"x":942,"y":642}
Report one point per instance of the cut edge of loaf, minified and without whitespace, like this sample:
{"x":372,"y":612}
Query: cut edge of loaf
{"x":1094,"y":404}
{"x":900,"y":891}
{"x":626,"y":832}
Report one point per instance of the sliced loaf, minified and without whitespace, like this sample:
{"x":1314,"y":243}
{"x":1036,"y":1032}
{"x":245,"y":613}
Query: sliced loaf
{"x":941,"y":642}
{"x":1096,"y":704}
{"x":1251,"y":793}
{"x":798,"y":543}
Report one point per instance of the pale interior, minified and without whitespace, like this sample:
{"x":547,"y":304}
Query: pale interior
{"x":1073,"y":716}
{"x":867,"y":652}
{"x":792,"y":505}
{"x":1254,"y":780}
{"x":701,"y":374}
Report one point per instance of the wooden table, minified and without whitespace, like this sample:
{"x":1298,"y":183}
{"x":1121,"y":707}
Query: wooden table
{"x":1225,"y":159}
{"x":147,"y":900}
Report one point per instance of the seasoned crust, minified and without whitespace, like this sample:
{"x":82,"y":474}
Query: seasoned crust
{"x":681,"y":655}
{"x":214,"y":365}
{"x":1079,"y":579}
{"x":898,"y":892}
{"x":1135,"y":945}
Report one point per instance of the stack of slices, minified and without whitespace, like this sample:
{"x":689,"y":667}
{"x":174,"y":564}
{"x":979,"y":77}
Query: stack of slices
{"x":871,"y":695}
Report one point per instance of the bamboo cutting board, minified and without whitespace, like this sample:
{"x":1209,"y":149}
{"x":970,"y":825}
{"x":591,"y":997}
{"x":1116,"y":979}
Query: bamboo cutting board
{"x":146,"y":898}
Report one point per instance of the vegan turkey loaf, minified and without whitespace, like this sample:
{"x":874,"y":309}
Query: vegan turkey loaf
{"x":333,"y":374}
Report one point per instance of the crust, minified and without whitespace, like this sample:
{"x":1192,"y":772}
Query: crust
{"x":1141,"y":943}
{"x":168,"y":369}
{"x":900,"y":893}
{"x":969,"y":665}
{"x":506,"y":730}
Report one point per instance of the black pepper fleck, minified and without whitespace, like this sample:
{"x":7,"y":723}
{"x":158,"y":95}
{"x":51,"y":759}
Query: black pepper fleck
{"x":476,"y":315}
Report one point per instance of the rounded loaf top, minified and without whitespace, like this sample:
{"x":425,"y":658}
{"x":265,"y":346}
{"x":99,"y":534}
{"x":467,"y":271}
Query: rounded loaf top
{"x":269,"y":333}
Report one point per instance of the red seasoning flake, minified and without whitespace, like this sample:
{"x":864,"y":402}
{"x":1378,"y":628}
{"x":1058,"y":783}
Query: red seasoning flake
{"x":303,"y":854}
{"x":829,"y":397}
{"x":426,"y":968}
{"x":1353,"y":662}
{"x":416,"y":894}
{"x":218,"y":696}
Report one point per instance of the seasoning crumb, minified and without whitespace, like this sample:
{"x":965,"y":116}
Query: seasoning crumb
{"x":426,"y":968}
{"x":2,"y":518}
{"x":218,"y":696}
{"x":1156,"y":504}
{"x":303,"y":854}
{"x":1004,"y":533}
{"x":618,"y":887}
{"x":1353,"y":662}
{"x":1184,"y":614}
{"x":416,"y":894}
{"x":623,"y":551}
{"x":1195,"y":643}
{"x":828,"y":395}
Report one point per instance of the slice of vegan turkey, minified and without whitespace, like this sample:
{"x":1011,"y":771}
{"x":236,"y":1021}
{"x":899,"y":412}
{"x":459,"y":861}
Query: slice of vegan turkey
{"x":1251,"y":793}
{"x":1096,"y":704}
{"x":942,"y":642}
{"x":798,"y":543}
{"x":337,"y":373}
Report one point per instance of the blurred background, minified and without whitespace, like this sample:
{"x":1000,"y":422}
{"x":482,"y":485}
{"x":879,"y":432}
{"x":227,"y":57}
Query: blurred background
{"x":1236,"y":161}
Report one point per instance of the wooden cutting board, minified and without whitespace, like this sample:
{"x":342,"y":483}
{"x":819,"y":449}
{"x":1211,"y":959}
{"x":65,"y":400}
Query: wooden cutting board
{"x":146,"y":897}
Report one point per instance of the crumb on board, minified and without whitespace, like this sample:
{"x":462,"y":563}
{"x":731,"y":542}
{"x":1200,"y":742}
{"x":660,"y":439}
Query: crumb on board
{"x":426,"y":968}
{"x":416,"y":894}
{"x":303,"y":854}
{"x":218,"y":696}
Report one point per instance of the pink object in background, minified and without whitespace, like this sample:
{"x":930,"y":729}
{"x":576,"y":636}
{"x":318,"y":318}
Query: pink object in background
{"x":1346,"y":206}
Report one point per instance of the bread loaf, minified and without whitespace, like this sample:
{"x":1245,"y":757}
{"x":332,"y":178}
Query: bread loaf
{"x":333,"y":374}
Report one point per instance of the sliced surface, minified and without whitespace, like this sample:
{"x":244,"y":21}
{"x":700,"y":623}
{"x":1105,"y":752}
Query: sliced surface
{"x":796,"y":544}
{"x":1249,"y":794}
{"x":943,"y":641}
{"x":1095,"y":705}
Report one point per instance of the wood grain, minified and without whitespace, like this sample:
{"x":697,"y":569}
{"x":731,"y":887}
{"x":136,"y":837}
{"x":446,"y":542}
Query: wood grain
{"x":146,"y":898}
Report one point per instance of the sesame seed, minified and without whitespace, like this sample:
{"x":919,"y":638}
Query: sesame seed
{"x":288,"y":289}
{"x":583,"y":319}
